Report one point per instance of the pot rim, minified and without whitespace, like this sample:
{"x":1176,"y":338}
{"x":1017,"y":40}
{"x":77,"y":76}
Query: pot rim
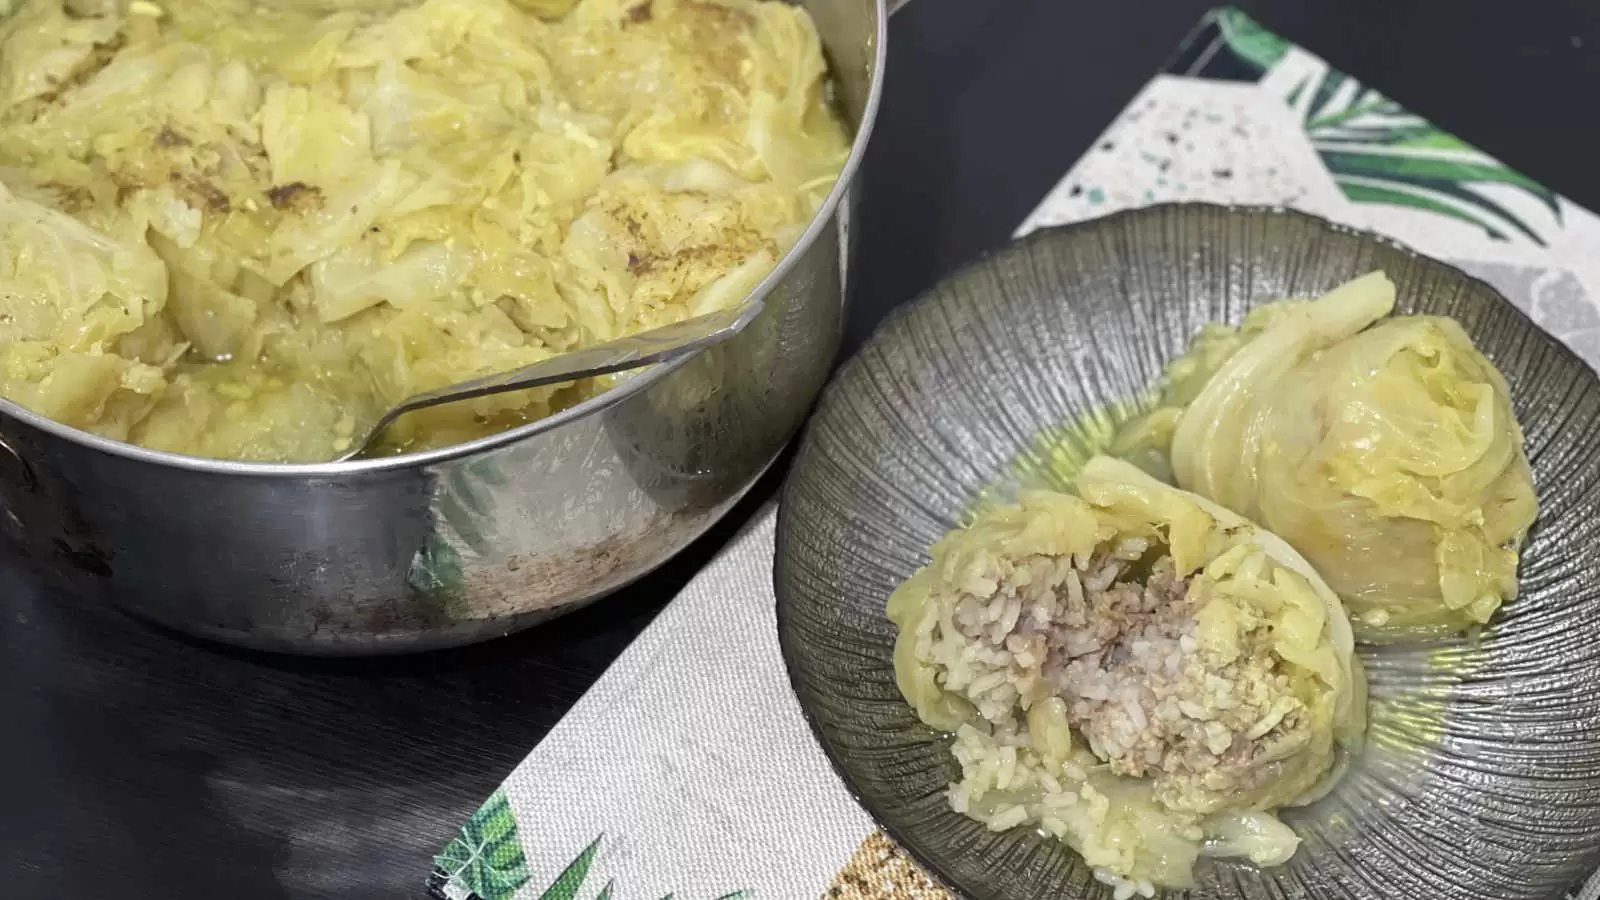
{"x":644,"y":378}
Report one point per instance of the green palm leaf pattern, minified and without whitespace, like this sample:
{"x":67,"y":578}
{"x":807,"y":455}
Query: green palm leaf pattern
{"x":566,"y":885}
{"x":436,"y":570}
{"x":1249,"y":41}
{"x":1399,"y":195}
{"x":1378,"y":152}
{"x":464,"y":501}
{"x":485,"y":862}
{"x":486,"y":858}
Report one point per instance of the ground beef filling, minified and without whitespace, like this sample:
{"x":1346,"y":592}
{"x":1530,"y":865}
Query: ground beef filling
{"x":1114,"y":642}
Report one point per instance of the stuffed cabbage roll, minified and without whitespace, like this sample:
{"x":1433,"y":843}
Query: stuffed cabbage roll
{"x":1388,"y":455}
{"x":1136,"y":670}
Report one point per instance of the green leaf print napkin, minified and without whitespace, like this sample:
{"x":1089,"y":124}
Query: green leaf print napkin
{"x":688,"y":772}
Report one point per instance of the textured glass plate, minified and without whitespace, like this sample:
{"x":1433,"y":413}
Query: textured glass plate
{"x":1481,"y":774}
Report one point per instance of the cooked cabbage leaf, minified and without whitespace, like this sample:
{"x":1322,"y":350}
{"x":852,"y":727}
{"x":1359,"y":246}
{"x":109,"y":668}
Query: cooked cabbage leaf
{"x":310,"y":210}
{"x":1389,"y":456}
{"x":1137,"y":670}
{"x":80,"y":334}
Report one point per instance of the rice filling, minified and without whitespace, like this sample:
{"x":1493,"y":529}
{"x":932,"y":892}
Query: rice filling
{"x":1140,"y":690}
{"x":1135,"y":671}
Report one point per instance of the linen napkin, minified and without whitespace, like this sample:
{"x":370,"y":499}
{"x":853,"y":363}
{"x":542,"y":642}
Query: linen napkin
{"x":688,"y":770}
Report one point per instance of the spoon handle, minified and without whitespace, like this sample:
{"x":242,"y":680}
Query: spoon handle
{"x":657,"y":345}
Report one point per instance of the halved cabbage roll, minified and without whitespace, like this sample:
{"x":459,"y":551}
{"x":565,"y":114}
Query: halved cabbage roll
{"x":1389,"y":456}
{"x":1136,"y":670}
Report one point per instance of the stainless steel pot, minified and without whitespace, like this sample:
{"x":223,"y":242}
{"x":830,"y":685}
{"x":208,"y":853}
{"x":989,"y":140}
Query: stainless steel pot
{"x":468,"y":542}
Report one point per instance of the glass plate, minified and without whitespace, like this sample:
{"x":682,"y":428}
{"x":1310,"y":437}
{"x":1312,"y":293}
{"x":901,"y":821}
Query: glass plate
{"x":1480,"y":777}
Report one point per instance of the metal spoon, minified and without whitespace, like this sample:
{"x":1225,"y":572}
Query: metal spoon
{"x":634,"y":351}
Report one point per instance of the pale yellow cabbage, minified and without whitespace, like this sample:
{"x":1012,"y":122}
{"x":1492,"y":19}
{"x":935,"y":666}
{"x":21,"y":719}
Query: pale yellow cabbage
{"x":1389,"y":456}
{"x":333,"y":205}
{"x":1249,"y":591}
{"x":80,"y":335}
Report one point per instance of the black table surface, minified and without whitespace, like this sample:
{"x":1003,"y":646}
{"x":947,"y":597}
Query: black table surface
{"x":138,"y":764}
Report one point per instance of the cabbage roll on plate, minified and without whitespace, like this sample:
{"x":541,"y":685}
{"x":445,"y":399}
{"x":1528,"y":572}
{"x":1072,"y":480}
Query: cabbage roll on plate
{"x":1389,"y":455}
{"x":1137,"y":671}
